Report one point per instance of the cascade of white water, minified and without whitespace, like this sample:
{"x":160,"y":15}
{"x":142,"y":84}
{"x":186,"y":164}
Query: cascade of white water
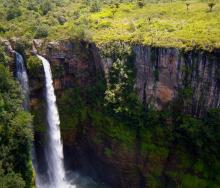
{"x":21,"y":75}
{"x":54,"y":149}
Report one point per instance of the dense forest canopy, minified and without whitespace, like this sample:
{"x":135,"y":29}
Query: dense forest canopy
{"x":190,"y":24}
{"x":15,"y":132}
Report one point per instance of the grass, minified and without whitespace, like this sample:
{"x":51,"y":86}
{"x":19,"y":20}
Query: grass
{"x":163,"y":24}
{"x":156,"y":24}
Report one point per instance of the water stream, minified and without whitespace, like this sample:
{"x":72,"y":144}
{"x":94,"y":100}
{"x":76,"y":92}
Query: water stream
{"x":54,"y":146}
{"x":22,"y":77}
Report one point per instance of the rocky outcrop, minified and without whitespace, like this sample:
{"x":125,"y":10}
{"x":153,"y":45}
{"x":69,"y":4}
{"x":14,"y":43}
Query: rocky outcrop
{"x":7,"y":45}
{"x":10,"y":53}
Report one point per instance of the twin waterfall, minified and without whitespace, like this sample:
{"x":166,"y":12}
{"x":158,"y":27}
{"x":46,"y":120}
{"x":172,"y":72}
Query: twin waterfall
{"x":54,"y":151}
{"x":54,"y":147}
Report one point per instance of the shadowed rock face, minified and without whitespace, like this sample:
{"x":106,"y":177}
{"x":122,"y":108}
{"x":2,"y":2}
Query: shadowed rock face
{"x":163,"y":74}
{"x":72,"y":63}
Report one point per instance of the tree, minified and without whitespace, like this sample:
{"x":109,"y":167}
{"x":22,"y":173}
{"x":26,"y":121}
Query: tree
{"x":187,"y":6}
{"x":15,"y":134}
{"x":117,"y":5}
{"x":211,"y":5}
{"x":140,"y":3}
{"x":10,"y":180}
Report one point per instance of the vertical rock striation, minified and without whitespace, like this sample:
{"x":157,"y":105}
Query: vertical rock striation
{"x":163,"y":75}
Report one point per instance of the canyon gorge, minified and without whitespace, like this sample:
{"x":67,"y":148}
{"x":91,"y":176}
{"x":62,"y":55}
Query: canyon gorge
{"x":109,"y":94}
{"x":121,"y":151}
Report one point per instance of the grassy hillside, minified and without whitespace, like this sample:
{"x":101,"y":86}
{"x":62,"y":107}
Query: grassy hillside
{"x":167,"y":24}
{"x":161,"y":24}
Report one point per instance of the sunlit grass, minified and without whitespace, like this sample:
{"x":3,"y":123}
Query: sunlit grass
{"x":157,"y":24}
{"x":162,"y":24}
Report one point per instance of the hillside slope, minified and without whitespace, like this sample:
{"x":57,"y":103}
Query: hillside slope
{"x":164,"y":24}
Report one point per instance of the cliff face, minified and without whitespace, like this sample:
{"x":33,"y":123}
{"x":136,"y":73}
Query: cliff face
{"x":80,"y":65}
{"x":164,"y":74}
{"x":72,"y":63}
{"x":163,"y":77}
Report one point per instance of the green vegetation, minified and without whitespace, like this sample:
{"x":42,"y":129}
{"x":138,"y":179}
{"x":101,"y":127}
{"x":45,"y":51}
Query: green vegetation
{"x":211,"y":5}
{"x":180,"y":150}
{"x":34,"y":66}
{"x":187,"y":25}
{"x":113,"y":108}
{"x":41,"y":32}
{"x":15,"y":133}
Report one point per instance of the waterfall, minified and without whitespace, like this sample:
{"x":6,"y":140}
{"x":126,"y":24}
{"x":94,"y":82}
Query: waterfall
{"x":54,"y":148}
{"x":21,"y":75}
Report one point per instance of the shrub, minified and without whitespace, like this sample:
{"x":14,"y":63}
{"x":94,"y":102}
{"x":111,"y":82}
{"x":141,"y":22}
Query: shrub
{"x":95,"y":7}
{"x":11,"y":180}
{"x":80,"y":33}
{"x":23,"y":44}
{"x":76,"y":15}
{"x":3,"y":56}
{"x":103,"y":24}
{"x":13,"y":13}
{"x":114,"y":10}
{"x":2,"y":29}
{"x":32,"y":5}
{"x":34,"y":66}
{"x":131,"y":27}
{"x":117,"y":5}
{"x":46,"y":6}
{"x":41,"y":32}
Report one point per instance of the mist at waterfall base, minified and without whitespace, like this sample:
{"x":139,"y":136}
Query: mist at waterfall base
{"x":57,"y":177}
